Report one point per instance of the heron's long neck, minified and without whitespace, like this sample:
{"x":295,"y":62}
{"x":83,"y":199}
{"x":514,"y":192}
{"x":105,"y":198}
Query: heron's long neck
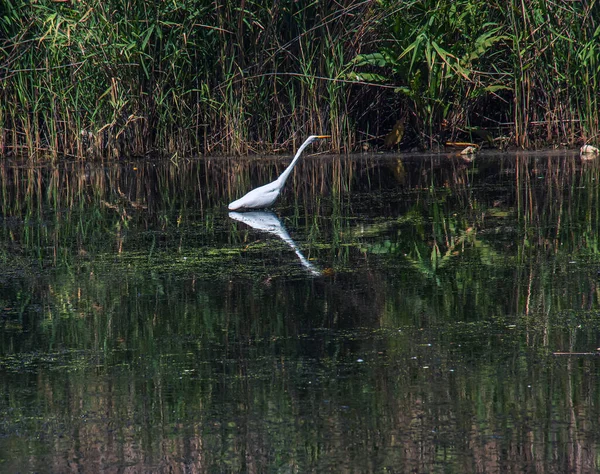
{"x":289,"y":169}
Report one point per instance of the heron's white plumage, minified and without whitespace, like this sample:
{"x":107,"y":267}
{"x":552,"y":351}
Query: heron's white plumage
{"x":266,"y":195}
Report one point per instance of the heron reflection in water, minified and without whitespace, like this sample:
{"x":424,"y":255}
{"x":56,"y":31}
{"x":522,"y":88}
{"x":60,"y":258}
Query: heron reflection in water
{"x":268,"y":222}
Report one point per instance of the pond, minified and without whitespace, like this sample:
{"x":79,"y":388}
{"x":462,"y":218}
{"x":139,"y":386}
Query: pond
{"x":391,"y":313}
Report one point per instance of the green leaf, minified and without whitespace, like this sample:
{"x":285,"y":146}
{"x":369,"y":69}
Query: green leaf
{"x":370,"y":59}
{"x":403,"y":90}
{"x":450,"y":60}
{"x":496,"y":87}
{"x":147,"y":37}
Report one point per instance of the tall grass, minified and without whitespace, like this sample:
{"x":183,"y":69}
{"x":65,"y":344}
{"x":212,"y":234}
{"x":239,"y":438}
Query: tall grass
{"x":524,"y":69}
{"x":119,"y":77}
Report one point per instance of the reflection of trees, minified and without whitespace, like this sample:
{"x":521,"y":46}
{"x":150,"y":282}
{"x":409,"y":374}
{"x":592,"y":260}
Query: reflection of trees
{"x":154,"y":363}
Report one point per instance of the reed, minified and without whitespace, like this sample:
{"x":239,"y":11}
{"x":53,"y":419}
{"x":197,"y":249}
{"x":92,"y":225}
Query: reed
{"x":526,"y":70}
{"x":124,"y":78}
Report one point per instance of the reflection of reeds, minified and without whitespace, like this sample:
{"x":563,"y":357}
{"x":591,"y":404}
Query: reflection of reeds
{"x":553,"y":194}
{"x":431,"y":210}
{"x":124,"y":352}
{"x":557,"y":198}
{"x":556,"y":194}
{"x":186,"y":379}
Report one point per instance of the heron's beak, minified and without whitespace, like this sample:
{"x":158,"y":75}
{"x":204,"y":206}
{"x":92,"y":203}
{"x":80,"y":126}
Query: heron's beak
{"x":323,"y":136}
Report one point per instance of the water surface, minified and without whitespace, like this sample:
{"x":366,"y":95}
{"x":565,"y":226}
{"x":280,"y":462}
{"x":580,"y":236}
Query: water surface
{"x":392,"y":314}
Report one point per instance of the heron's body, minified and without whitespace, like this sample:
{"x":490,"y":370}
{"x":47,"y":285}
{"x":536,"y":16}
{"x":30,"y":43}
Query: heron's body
{"x":266,"y":195}
{"x":258,"y":198}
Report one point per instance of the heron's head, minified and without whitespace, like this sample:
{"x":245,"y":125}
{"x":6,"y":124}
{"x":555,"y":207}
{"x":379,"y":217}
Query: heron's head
{"x":312,"y":138}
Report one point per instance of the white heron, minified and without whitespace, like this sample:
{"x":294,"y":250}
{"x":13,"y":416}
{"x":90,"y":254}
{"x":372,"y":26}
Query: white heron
{"x":266,"y":195}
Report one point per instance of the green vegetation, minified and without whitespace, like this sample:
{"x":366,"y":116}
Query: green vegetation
{"x":117,"y":77}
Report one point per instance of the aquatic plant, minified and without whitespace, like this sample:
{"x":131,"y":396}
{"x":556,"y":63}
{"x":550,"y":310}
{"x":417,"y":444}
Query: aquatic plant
{"x":119,"y":77}
{"x":487,"y":69}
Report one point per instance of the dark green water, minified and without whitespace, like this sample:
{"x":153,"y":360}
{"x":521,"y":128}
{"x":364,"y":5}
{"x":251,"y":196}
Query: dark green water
{"x":435,"y":315}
